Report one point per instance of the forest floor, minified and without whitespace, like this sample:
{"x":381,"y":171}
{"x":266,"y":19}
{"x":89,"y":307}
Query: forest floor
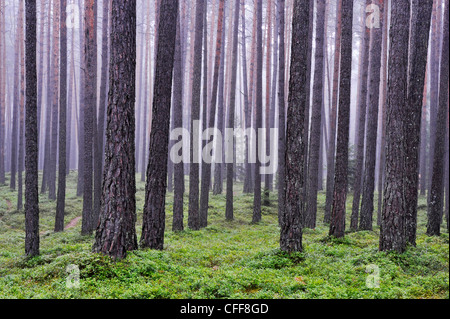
{"x":235,"y":259}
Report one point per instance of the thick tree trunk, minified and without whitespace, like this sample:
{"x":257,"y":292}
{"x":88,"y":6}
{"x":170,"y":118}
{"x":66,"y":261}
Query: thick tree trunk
{"x":435,"y":209}
{"x":291,"y":226}
{"x":337,"y":225}
{"x":116,"y":232}
{"x":392,"y":233}
{"x":155,"y":190}
{"x":418,"y":51}
{"x":31,"y":159}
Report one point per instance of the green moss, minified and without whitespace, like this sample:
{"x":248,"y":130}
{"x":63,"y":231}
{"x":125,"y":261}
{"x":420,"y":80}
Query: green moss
{"x":234,"y":259}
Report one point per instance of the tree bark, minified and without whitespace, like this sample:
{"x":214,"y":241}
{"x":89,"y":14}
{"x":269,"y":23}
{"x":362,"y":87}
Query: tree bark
{"x":337,"y":225}
{"x":155,"y":190}
{"x":435,"y":209}
{"x":316,"y":119}
{"x":373,"y":103}
{"x":90,"y":99}
{"x":194,"y":179}
{"x":116,"y":233}
{"x":418,"y":51}
{"x":392,"y":232}
{"x":31,"y":158}
{"x":60,"y":205}
{"x":291,"y":226}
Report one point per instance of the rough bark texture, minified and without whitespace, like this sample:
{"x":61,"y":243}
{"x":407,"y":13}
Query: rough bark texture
{"x":316,"y":119}
{"x":62,"y":170}
{"x":435,"y":209}
{"x":156,"y":186}
{"x":194,"y":179}
{"x":291,"y":226}
{"x":90,"y":99}
{"x":206,"y":167}
{"x":419,"y":38}
{"x":373,"y":103}
{"x":178,"y":177}
{"x":116,"y":232}
{"x":31,"y":158}
{"x":392,"y":232}
{"x":337,"y":225}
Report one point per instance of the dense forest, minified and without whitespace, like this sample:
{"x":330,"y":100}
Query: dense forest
{"x":130,"y":127}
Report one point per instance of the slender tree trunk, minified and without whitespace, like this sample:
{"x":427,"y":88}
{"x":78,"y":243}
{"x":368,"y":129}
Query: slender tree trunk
{"x":178,"y":200}
{"x":60,"y":205}
{"x":281,"y":114}
{"x":291,"y":226}
{"x":392,"y":233}
{"x":90,"y":98}
{"x":155,"y":190}
{"x":333,"y":115}
{"x":435,"y":208}
{"x":21,"y":117}
{"x":361,"y":125}
{"x":80,"y":184}
{"x":99,"y":146}
{"x":55,"y":103}
{"x":373,"y":103}
{"x":316,"y":120}
{"x":229,"y":210}
{"x":418,"y":51}
{"x":218,"y":181}
{"x":194,"y":179}
{"x":206,"y":173}
{"x":116,"y":232}
{"x":259,"y":109}
{"x":31,"y":159}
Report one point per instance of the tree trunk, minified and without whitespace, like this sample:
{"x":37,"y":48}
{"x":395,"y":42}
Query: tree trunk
{"x":60,"y":205}
{"x":90,"y":100}
{"x":333,"y":115}
{"x":392,"y":232}
{"x":99,"y":145}
{"x":361,"y":125}
{"x":31,"y":159}
{"x":316,"y":119}
{"x":229,"y":214}
{"x":373,"y":103}
{"x":21,"y":117}
{"x":155,"y":190}
{"x":337,"y":225}
{"x":206,"y":173}
{"x":418,"y":51}
{"x":178,"y":84}
{"x":281,"y":113}
{"x":116,"y":232}
{"x":80,"y":182}
{"x":437,"y":182}
{"x":291,"y":226}
{"x":194,"y":179}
